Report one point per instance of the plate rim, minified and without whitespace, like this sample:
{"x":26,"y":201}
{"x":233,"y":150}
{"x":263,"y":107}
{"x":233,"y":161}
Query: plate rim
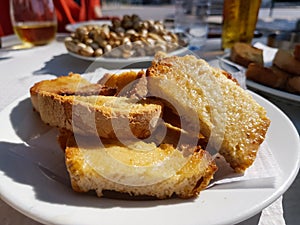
{"x":69,"y":27}
{"x":271,"y":197}
{"x":101,"y":59}
{"x":273,"y":92}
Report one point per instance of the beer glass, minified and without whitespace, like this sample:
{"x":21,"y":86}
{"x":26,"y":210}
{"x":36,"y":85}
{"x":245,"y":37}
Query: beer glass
{"x":34,"y":21}
{"x":239,"y":21}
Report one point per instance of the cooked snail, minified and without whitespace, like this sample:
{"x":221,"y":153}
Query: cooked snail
{"x":129,"y":37}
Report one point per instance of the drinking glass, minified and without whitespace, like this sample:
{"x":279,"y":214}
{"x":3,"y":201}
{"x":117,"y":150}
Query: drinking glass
{"x":191,"y":19}
{"x":239,"y":21}
{"x":34,"y":21}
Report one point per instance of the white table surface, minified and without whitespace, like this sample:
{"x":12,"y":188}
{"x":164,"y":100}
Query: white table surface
{"x":19,"y":70}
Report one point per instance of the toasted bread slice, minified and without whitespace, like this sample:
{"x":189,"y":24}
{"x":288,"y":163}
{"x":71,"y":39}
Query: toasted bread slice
{"x":62,"y":85}
{"x":244,"y":54}
{"x":273,"y":76}
{"x":228,"y":116}
{"x":73,"y":84}
{"x":293,"y":84}
{"x":72,"y":103}
{"x":286,"y":61}
{"x":138,"y":169}
{"x":106,"y":116}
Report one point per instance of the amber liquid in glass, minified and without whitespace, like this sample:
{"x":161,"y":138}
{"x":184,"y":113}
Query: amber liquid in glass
{"x":239,"y":21}
{"x":36,"y":33}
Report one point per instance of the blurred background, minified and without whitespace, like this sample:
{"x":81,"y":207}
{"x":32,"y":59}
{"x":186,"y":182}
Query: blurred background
{"x":216,"y":5}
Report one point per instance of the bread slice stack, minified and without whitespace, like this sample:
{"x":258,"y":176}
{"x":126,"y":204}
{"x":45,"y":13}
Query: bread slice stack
{"x":155,"y":133}
{"x":106,"y":139}
{"x":283,"y":74}
{"x":74,"y":104}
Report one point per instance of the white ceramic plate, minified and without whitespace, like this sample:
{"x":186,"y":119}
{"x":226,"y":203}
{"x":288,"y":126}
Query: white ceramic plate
{"x":74,"y":26}
{"x":30,"y":189}
{"x":119,"y":63}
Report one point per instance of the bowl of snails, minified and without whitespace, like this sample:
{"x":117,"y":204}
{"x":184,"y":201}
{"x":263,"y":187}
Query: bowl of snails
{"x":123,"y":41}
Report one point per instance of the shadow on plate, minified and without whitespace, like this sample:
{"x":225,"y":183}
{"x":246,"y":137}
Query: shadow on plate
{"x":62,"y":65}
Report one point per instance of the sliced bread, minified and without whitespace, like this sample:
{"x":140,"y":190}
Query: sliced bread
{"x":138,"y":169}
{"x":228,"y":116}
{"x":68,"y":102}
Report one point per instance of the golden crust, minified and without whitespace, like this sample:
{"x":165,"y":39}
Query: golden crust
{"x":56,"y":86}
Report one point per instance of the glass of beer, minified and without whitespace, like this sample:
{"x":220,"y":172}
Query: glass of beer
{"x":239,"y":21}
{"x":34,"y":21}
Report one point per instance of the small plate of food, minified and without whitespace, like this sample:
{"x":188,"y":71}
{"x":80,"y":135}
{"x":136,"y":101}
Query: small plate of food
{"x":269,"y":71}
{"x":124,"y":42}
